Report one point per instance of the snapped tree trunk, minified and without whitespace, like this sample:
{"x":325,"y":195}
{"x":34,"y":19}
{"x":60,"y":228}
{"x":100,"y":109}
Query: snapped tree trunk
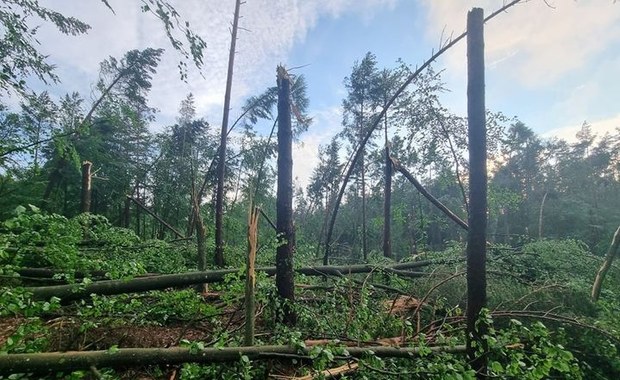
{"x":86,"y":187}
{"x":284,"y":201}
{"x":250,"y":279}
{"x":602,"y":272}
{"x":476,"y":240}
{"x":221,"y":163}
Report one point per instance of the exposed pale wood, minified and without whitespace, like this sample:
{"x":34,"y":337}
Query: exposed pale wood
{"x":250,"y":279}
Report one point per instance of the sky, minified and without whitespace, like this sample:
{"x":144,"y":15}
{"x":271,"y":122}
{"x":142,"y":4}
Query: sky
{"x":553,"y":64}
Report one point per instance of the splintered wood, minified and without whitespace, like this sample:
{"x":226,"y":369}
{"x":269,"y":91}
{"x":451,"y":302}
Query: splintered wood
{"x":251,"y":276}
{"x":401,"y":305}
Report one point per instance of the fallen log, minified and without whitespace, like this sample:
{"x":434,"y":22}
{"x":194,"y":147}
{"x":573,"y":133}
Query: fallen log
{"x":135,"y":357}
{"x":109,"y":287}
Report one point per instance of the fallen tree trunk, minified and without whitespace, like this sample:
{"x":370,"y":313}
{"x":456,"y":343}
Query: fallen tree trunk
{"x":133,"y":357}
{"x":155,"y":216}
{"x":428,"y":195}
{"x":80,"y":291}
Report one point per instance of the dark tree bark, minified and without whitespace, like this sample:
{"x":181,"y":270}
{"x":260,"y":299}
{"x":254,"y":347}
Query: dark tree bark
{"x":127,"y":213}
{"x":387,"y":202}
{"x":221,"y":163}
{"x":284,"y":202}
{"x":476,"y":241}
{"x":364,"y":227}
{"x":86,"y":187}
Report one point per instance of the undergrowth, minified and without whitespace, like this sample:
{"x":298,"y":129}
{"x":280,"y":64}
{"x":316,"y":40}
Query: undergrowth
{"x":541,"y":323}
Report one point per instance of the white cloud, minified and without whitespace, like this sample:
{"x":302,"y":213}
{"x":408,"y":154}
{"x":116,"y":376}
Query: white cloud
{"x":270,"y":30}
{"x":326,"y":124}
{"x":599,"y":127}
{"x":576,"y":104}
{"x":532,"y":42}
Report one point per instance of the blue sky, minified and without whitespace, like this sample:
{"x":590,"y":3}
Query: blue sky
{"x":552,"y":66}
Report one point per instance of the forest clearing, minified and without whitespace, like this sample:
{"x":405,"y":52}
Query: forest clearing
{"x":425,"y":245}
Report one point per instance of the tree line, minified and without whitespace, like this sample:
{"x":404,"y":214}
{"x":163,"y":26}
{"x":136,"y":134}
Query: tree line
{"x":538,"y":188}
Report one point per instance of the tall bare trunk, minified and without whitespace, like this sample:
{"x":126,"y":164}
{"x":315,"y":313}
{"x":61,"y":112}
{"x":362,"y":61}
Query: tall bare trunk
{"x":476,"y":241}
{"x":201,"y":232}
{"x":221,"y":164}
{"x":540,"y":216}
{"x":284,"y":203}
{"x":86,"y":187}
{"x":363,"y":169}
{"x":387,"y":197}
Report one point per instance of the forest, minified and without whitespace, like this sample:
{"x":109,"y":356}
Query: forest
{"x":426,"y":245}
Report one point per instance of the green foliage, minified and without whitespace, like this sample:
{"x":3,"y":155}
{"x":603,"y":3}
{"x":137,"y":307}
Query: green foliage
{"x":17,"y":302}
{"x":35,"y":239}
{"x":19,"y":54}
{"x":160,"y":307}
{"x":29,"y":337}
{"x":84,"y":244}
{"x":242,"y":369}
{"x":529,"y":352}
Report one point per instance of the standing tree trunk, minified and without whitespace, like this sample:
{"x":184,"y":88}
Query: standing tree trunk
{"x":387,"y":199}
{"x":85,"y":198}
{"x":127,"y":213}
{"x":221,"y":164}
{"x":201,"y":237}
{"x":540,"y":216}
{"x":284,"y":202}
{"x":364,"y":227}
{"x":363,"y":180}
{"x":476,"y":239}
